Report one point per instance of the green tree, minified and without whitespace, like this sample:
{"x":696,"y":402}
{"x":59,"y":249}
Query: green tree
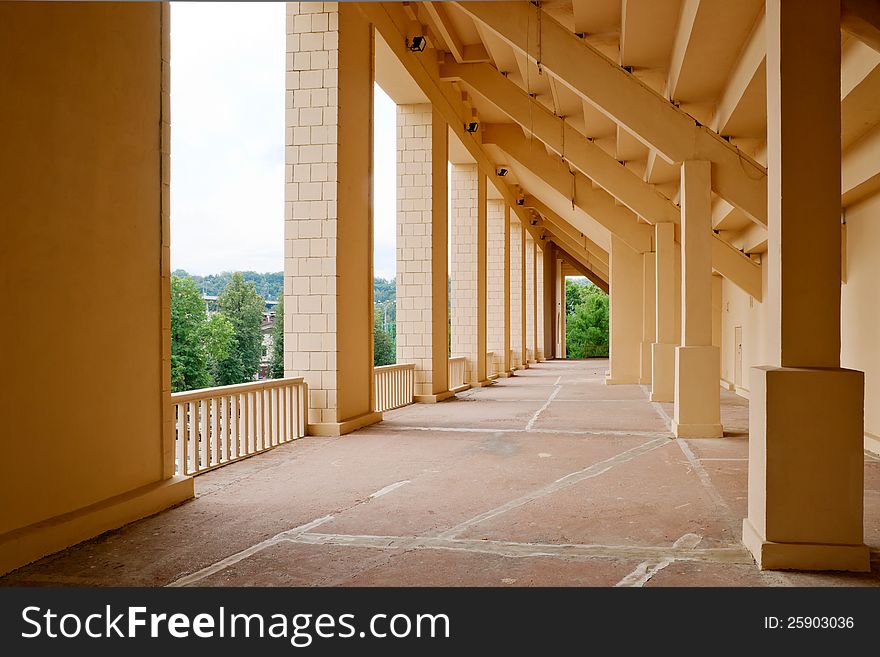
{"x":189,"y":358}
{"x":574,"y":296}
{"x":384,"y":349}
{"x":276,"y":363}
{"x":243,"y":307}
{"x":587,"y":327}
{"x":218,"y":337}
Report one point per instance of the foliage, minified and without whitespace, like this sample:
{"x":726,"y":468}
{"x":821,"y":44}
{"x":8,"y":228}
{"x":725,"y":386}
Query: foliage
{"x":219,"y":338}
{"x":243,"y":307}
{"x":384,"y":290}
{"x":384,"y":348}
{"x":189,"y":357}
{"x":587,"y":323}
{"x":276,"y":363}
{"x":269,"y":285}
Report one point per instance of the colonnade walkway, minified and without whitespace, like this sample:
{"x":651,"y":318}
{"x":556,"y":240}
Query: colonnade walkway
{"x":550,"y":477}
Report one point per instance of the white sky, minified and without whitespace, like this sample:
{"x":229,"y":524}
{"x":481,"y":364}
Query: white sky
{"x":227,"y":142}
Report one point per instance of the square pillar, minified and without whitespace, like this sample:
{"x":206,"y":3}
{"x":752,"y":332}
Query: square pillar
{"x":496,"y":219}
{"x":539,"y":303}
{"x":625,"y":295}
{"x":517,"y":299}
{"x":560,"y":310}
{"x":649,"y":315}
{"x":663,"y":350}
{"x":530,"y":313}
{"x":548,"y":305}
{"x":697,"y":411}
{"x":506,"y":360}
{"x":328,"y":259}
{"x":806,"y":420}
{"x":469,"y":270}
{"x":422,"y":237}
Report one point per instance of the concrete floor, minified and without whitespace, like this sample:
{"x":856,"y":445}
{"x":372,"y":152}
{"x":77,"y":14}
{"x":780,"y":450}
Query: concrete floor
{"x":547,"y":478}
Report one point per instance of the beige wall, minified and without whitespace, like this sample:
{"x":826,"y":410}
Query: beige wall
{"x":81,"y":255}
{"x":860,"y":348}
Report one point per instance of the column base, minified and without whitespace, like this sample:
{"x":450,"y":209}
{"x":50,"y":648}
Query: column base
{"x":481,"y":384}
{"x":663,"y":372}
{"x":432,"y":399}
{"x":804,"y":556}
{"x":621,"y":380}
{"x":697,"y":430}
{"x":697,"y":412}
{"x":342,"y":428}
{"x":22,"y":546}
{"x":806,"y":469}
{"x":505,"y":375}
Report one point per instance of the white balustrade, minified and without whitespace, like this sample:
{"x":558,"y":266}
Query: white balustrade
{"x":393,"y":386}
{"x":216,"y":426}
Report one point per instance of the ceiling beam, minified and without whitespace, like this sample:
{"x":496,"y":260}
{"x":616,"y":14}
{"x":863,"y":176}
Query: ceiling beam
{"x":687,"y":17}
{"x":576,"y":187}
{"x":736,"y":267}
{"x":583,"y":269}
{"x":560,"y":226}
{"x":861,"y":18}
{"x":442,"y":24}
{"x":749,"y":65}
{"x":566,"y":141}
{"x":621,"y":96}
{"x":390,"y":20}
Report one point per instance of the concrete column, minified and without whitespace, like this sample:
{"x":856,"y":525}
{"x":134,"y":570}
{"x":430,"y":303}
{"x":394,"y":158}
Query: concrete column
{"x":649,"y":316}
{"x":469,"y":270}
{"x":697,"y":411}
{"x":663,"y":350}
{"x":560,"y":310}
{"x":529,"y":269}
{"x":506,"y":364}
{"x":328,"y":264}
{"x":422,"y":248}
{"x":626,"y":313}
{"x":496,"y":218}
{"x":806,"y":421}
{"x":548,"y":306}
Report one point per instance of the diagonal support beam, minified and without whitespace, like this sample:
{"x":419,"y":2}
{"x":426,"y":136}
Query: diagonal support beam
{"x":564,"y":140}
{"x":559,"y":225}
{"x":583,"y":269}
{"x":861,"y":18}
{"x":737,"y":267}
{"x":598,"y":204}
{"x":392,"y":23}
{"x":443,"y":26}
{"x":653,"y":119}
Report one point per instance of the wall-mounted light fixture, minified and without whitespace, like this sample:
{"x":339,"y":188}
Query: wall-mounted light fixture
{"x":417,"y":44}
{"x":501,"y":172}
{"x":471,"y":127}
{"x":520,"y":201}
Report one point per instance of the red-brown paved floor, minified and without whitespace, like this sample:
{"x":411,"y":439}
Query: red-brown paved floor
{"x":548,"y":478}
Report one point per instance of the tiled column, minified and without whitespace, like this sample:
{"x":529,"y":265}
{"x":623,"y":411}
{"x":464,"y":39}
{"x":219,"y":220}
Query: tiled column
{"x":697,"y":411}
{"x":506,"y":363}
{"x":422,"y":248}
{"x":469,"y":270}
{"x":806,"y":419}
{"x":328,"y":269}
{"x":539,"y":303}
{"x":529,"y":269}
{"x":496,"y":216}
{"x":626,"y":313}
{"x":548,"y":305}
{"x":517,"y":284}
